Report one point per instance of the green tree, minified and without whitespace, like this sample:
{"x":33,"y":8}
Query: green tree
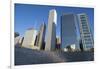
{"x":16,"y":34}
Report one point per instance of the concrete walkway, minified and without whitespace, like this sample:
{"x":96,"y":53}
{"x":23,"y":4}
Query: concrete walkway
{"x":25,"y":56}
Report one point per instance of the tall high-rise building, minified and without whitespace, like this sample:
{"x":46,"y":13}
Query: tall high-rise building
{"x":16,"y":40}
{"x":58,"y":43}
{"x":41,"y":36}
{"x":21,"y":40}
{"x":68,"y":31}
{"x":29,"y":38}
{"x":51,"y":31}
{"x":85,"y":32}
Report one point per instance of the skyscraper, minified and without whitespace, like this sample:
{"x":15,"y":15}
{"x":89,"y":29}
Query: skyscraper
{"x":51,"y":31}
{"x":85,"y":32}
{"x":29,"y":38}
{"x":68,"y":31}
{"x":16,"y":40}
{"x":41,"y":36}
{"x":58,"y":43}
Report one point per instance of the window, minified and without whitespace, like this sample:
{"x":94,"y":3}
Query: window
{"x":85,"y":30}
{"x":87,"y":36}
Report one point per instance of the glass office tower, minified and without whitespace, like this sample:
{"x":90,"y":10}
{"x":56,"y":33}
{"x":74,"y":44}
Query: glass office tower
{"x":68,"y":31}
{"x":85,"y":32}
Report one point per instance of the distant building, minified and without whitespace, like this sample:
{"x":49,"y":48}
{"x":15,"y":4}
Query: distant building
{"x":16,"y":40}
{"x":29,"y":39}
{"x":21,"y":40}
{"x":70,"y":48}
{"x":51,"y":31}
{"x":68,"y":31}
{"x":41,"y":37}
{"x":58,"y":43}
{"x":85,"y":32}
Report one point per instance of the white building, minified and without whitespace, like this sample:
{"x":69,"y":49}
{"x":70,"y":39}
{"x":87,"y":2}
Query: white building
{"x":16,"y":40}
{"x":21,"y":40}
{"x":29,"y":39}
{"x":85,"y":32}
{"x":51,"y":31}
{"x":41,"y":36}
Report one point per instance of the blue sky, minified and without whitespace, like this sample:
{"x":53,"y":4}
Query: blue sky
{"x":32,"y":16}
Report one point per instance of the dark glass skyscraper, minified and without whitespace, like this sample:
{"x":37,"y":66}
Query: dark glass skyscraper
{"x":85,"y":32}
{"x":68,"y":31}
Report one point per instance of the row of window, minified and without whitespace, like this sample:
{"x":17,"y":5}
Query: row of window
{"x":85,"y":31}
{"x":84,"y":27}
{"x":88,"y":46}
{"x":88,"y":42}
{"x":86,"y":36}
{"x":82,"y":16}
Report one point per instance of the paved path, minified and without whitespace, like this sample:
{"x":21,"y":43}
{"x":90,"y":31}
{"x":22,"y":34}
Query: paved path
{"x":25,"y":56}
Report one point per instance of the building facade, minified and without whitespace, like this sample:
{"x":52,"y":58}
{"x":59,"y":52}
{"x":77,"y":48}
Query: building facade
{"x":29,"y":39}
{"x":58,"y":43}
{"x":41,"y":37}
{"x":85,"y":32}
{"x":68,"y":31}
{"x":51,"y":31}
{"x":16,"y":40}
